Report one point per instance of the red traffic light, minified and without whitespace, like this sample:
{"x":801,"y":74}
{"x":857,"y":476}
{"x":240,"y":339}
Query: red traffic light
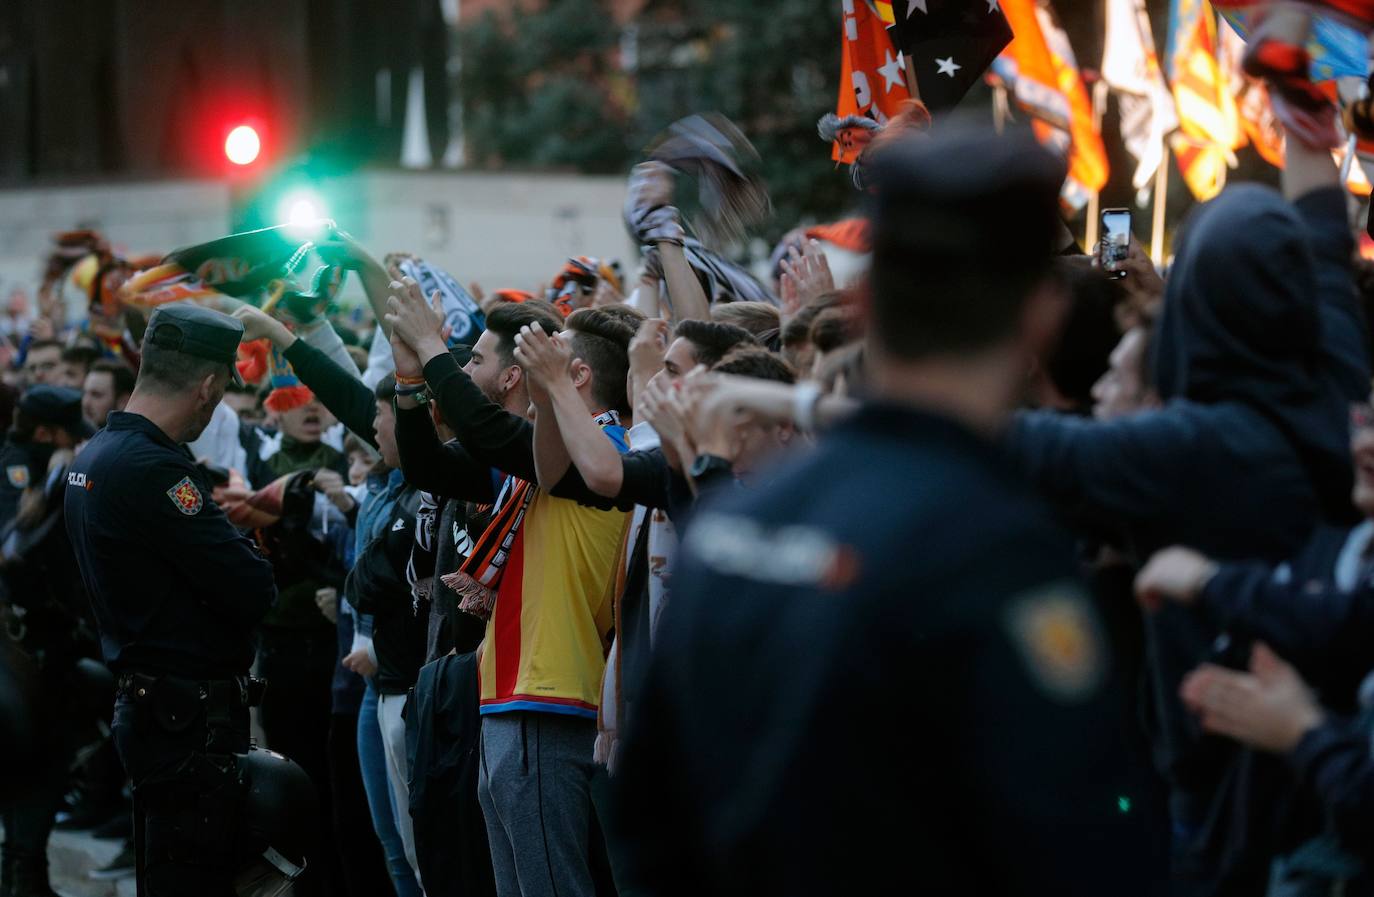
{"x":243,"y":145}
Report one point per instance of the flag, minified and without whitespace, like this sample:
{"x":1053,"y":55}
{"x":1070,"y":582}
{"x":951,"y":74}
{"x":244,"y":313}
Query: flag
{"x":1087,"y":156}
{"x":1257,"y":118}
{"x":1209,"y":125}
{"x":872,"y":78}
{"x":1337,"y":48}
{"x":951,"y":44}
{"x":1040,"y":70}
{"x":1131,"y":68}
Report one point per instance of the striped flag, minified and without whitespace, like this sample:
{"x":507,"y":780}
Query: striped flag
{"x":1257,"y":117}
{"x":1040,"y":70}
{"x":1130,"y":67}
{"x":1209,"y":125}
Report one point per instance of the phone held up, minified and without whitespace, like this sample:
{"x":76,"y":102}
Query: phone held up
{"x":1116,"y":241}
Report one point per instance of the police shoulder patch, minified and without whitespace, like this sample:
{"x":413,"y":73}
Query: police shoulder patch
{"x":1058,"y":637}
{"x":186,"y":497}
{"x":18,"y":475}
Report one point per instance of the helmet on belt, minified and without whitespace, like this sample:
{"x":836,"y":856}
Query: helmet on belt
{"x":278,"y":812}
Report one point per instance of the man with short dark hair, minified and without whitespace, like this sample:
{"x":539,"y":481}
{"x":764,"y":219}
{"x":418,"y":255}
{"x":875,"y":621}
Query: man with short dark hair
{"x":42,"y":359}
{"x":896,"y":572}
{"x":177,"y":592}
{"x":703,"y":343}
{"x":107,"y":388}
{"x":538,"y":574}
{"x":76,"y":364}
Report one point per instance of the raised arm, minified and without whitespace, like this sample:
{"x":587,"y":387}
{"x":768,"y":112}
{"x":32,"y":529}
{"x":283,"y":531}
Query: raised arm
{"x":487,"y":431}
{"x":437,"y":468}
{"x":654,"y":222}
{"x":339,"y":390}
{"x":1311,"y":181}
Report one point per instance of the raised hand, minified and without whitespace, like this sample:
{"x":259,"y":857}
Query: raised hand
{"x":805,"y":276}
{"x":258,"y":324}
{"x":415,"y":321}
{"x":545,"y":358}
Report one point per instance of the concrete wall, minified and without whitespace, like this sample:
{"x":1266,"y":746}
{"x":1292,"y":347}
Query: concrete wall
{"x":501,"y":230}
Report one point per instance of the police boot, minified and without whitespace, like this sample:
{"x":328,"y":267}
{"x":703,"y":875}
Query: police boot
{"x":29,"y":878}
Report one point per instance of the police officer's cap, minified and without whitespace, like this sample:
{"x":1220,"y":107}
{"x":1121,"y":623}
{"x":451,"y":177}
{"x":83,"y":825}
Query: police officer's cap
{"x":195,"y":330}
{"x":965,"y":193}
{"x":56,"y":406}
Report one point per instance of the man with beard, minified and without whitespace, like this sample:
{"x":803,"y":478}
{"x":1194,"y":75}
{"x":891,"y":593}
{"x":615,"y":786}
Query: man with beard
{"x":176,"y":591}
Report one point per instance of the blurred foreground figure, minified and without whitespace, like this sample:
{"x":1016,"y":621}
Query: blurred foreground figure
{"x":176,"y":592}
{"x":879,"y":674}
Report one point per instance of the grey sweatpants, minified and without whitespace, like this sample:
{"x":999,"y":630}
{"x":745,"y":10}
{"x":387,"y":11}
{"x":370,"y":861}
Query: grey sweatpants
{"x":535,"y":789}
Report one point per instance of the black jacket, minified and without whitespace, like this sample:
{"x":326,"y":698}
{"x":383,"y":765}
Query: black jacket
{"x":1259,"y":352}
{"x":378,"y":585}
{"x":175,"y":588}
{"x":853,"y":688}
{"x":443,"y":744}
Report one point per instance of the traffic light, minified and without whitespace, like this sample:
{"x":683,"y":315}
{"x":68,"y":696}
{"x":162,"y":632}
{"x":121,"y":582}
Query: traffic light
{"x":242,"y":145}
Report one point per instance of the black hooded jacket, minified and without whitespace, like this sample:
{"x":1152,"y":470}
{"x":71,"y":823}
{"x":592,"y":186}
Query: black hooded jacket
{"x":1259,"y":352}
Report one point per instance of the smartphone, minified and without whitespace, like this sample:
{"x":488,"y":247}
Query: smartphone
{"x":1116,"y":241}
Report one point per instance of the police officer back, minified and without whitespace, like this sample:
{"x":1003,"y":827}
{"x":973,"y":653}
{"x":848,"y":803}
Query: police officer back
{"x":176,"y":592}
{"x":878,"y":674}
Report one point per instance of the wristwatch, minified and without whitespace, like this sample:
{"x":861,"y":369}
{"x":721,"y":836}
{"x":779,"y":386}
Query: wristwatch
{"x":709,"y":464}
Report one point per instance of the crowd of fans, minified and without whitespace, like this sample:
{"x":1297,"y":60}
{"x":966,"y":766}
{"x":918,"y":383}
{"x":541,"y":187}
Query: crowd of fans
{"x":659,"y":586}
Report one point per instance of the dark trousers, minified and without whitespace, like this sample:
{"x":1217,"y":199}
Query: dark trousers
{"x":360,"y":853}
{"x":298,"y":665}
{"x":187,"y":797}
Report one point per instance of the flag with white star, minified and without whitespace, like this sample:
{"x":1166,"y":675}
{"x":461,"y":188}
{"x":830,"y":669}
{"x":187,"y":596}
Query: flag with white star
{"x":951,"y":43}
{"x":872,"y":76}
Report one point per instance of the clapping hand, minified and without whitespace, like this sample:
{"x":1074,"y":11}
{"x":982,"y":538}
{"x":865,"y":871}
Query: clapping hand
{"x":544,"y":357}
{"x":667,"y":413}
{"x":417,"y":323}
{"x":649,"y":345}
{"x":805,"y":277}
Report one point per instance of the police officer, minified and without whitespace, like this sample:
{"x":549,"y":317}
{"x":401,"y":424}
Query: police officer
{"x":176,"y":592}
{"x":42,"y":611}
{"x":878,"y":674}
{"x":48,"y":419}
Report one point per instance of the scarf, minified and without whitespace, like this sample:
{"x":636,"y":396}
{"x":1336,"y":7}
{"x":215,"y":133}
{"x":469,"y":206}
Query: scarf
{"x":479,"y":579}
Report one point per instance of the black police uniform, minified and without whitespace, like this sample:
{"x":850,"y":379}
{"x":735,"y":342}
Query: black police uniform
{"x":176,"y":591}
{"x":880,"y":675}
{"x":43,"y":612}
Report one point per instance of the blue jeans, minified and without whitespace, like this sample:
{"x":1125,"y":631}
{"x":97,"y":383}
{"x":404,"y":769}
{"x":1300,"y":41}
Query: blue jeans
{"x":372,"y":759}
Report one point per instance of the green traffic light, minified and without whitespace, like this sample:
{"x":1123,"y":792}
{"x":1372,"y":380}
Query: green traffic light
{"x":1123,"y":803}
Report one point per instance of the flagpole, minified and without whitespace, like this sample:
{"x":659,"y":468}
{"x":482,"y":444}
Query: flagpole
{"x":1348,"y":161}
{"x":1161,"y":203}
{"x":910,"y":71}
{"x":1095,"y":200}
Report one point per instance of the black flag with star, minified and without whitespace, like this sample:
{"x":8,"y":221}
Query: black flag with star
{"x":950,"y":42}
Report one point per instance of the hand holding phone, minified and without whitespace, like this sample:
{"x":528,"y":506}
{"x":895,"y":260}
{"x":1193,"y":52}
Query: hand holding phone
{"x":1116,"y":241}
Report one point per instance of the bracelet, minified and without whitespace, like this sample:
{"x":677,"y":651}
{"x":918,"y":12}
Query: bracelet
{"x":806,"y":396}
{"x":409,"y":381}
{"x":410,"y":389}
